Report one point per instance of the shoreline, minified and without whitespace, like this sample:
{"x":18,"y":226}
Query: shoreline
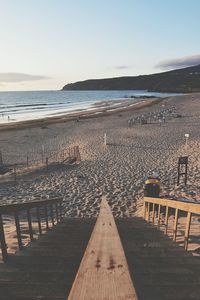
{"x":86,"y":114}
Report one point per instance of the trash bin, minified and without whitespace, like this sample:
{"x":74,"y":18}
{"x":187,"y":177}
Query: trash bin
{"x":152,"y":186}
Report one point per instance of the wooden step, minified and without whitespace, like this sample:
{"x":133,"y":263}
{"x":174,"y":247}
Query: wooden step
{"x":159,"y":267}
{"x":38,"y":273}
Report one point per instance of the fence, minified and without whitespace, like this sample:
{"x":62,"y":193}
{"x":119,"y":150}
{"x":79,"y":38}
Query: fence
{"x":152,"y":209}
{"x":14,"y":162}
{"x":43,"y":210}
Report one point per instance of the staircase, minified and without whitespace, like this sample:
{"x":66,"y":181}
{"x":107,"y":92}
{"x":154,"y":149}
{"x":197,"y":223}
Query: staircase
{"x":46,"y":269}
{"x":160,"y":269}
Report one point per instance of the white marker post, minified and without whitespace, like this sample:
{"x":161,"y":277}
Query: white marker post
{"x":186,"y":140}
{"x":105,"y":139}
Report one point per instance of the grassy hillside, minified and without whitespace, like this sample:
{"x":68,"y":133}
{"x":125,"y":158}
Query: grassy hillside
{"x":181,"y":80}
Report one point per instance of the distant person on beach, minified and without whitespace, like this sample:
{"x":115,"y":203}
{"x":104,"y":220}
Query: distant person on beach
{"x":152,"y":186}
{"x":8,"y":118}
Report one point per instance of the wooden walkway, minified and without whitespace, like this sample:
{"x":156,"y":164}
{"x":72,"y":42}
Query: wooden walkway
{"x":103,"y":273}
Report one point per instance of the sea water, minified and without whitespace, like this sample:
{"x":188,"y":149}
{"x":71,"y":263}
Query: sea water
{"x":30,"y":105}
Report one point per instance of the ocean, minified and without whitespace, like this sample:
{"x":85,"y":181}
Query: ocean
{"x":30,"y":105}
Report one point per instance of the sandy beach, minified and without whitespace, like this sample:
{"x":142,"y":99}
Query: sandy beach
{"x":117,"y":169}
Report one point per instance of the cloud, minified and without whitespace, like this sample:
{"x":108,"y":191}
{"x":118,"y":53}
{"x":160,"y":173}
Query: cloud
{"x":178,"y":63}
{"x":19,"y":77}
{"x":122,"y":67}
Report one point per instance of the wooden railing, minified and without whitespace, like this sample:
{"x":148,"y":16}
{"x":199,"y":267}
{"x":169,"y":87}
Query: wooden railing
{"x":47,"y":211}
{"x":153,"y":206}
{"x":103,"y":272}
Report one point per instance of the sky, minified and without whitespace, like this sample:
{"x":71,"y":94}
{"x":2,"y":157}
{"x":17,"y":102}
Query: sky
{"x":45,"y":44}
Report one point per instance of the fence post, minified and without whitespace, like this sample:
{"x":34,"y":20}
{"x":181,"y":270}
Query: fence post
{"x":15,"y":173}
{"x":47,"y":162}
{"x":148,"y":211}
{"x":57,"y":212}
{"x":105,"y":139}
{"x":46,"y":217}
{"x":187,"y":230}
{"x":60,"y":209}
{"x":1,"y":158}
{"x":39,"y":220}
{"x":42,"y":153}
{"x":30,"y":225}
{"x":18,"y":230}
{"x":175,"y":224}
{"x":145,"y":205}
{"x":27,"y":160}
{"x":153,"y":213}
{"x":166,"y":219}
{"x":159,"y":207}
{"x":3,"y":241}
{"x":52,"y":216}
{"x":63,"y":155}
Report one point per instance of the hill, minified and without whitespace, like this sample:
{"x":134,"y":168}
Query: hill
{"x":178,"y":81}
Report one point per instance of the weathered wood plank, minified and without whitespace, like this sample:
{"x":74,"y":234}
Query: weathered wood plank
{"x":10,"y":208}
{"x":103,"y":273}
{"x":158,"y":214}
{"x":3,"y":240}
{"x":166,"y":219}
{"x":187,"y":230}
{"x":185,"y":206}
{"x":175,"y":224}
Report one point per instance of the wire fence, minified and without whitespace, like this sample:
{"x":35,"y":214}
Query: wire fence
{"x":15,"y":162}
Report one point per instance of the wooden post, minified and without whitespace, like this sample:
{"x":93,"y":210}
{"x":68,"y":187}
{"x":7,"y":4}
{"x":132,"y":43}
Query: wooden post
{"x":74,"y":152}
{"x":15,"y":173}
{"x":187,"y":230}
{"x":27,"y":160}
{"x":52,"y":216}
{"x":46,"y":217}
{"x":159,"y":207}
{"x":166,"y":219}
{"x":63,"y":153}
{"x":175,"y":224}
{"x":30,"y":225}
{"x":60,"y":209}
{"x":18,"y":230}
{"x":1,"y":158}
{"x":78,"y":156}
{"x":3,"y":240}
{"x":42,"y":153}
{"x":153,"y":213}
{"x":145,"y":205}
{"x":39,"y":220}
{"x":148,"y":211}
{"x":186,"y":172}
{"x":183,"y":160}
{"x":105,"y":139}
{"x":47,"y":162}
{"x":57,"y":217}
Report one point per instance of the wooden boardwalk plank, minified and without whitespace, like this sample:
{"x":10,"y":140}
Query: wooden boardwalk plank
{"x":103,"y":273}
